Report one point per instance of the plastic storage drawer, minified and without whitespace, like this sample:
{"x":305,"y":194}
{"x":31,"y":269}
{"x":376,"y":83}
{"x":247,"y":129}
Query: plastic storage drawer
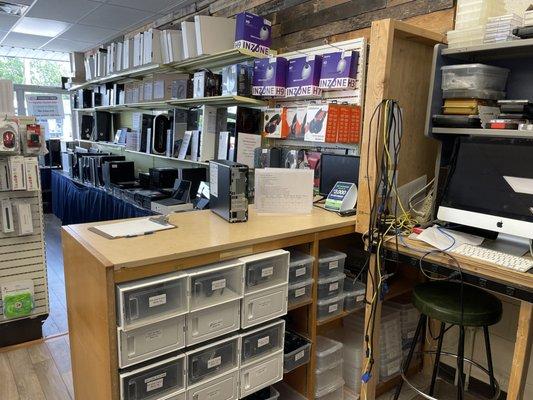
{"x":150,"y":341}
{"x":162,"y":379}
{"x":331,"y":286}
{"x":474,"y":76}
{"x":213,"y":322}
{"x":264,"y":305}
{"x":225,"y":387}
{"x":331,"y":262}
{"x":261,"y":374}
{"x":214,"y":359}
{"x":297,"y":351}
{"x":262,"y":341}
{"x":354,"y":295}
{"x":334,"y":391}
{"x":328,"y":351}
{"x":215,"y":284}
{"x":300,"y":292}
{"x":331,"y":373}
{"x":300,"y":266}
{"x":269,"y":393}
{"x":330,"y":307}
{"x":265,"y":270}
{"x":152,"y":299}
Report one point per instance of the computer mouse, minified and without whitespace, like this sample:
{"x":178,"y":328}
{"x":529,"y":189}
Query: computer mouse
{"x":306,"y":71}
{"x":264,"y":33}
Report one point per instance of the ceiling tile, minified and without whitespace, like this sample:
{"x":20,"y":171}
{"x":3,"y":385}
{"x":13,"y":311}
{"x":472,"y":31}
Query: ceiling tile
{"x":65,"y":45}
{"x":88,"y":34}
{"x":23,"y":40}
{"x":7,"y":21}
{"x":114,"y":17}
{"x":61,"y":10}
{"x":152,"y":5}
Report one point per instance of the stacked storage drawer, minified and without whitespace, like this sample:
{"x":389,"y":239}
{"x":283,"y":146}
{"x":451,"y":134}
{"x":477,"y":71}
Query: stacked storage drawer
{"x":297,"y":351}
{"x":329,"y":369}
{"x":354,"y":295}
{"x":300,"y":277}
{"x":330,"y":284}
{"x":408,"y":321}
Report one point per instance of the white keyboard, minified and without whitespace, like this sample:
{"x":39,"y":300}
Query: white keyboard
{"x":495,"y":257}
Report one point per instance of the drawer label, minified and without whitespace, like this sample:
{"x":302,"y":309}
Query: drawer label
{"x":155,"y":382}
{"x":300,"y":271}
{"x":360,"y":298}
{"x":215,"y":324}
{"x":214,"y":362}
{"x":263,"y":304}
{"x":213,"y":395}
{"x":333,"y":286}
{"x":267,"y":272}
{"x":299,"y":292}
{"x":219,"y":284}
{"x":333,"y":308}
{"x":153,"y":335}
{"x":334,"y":264}
{"x":263,"y":341}
{"x":299,"y":355}
{"x":158,"y":300}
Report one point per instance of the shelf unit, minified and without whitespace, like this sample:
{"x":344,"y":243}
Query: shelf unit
{"x":165,"y":157}
{"x":492,"y":51}
{"x":496,"y":133}
{"x":219,"y":101}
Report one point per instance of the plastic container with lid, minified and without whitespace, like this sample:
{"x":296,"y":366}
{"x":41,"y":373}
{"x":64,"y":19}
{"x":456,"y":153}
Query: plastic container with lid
{"x":330,"y":307}
{"x":328,"y":351}
{"x":354,"y":295}
{"x":331,"y":286}
{"x":300,"y":292}
{"x":325,"y":376}
{"x":474,"y":76}
{"x":473,"y":94}
{"x":330,"y":262}
{"x":300,"y":266}
{"x":334,"y":391}
{"x":297,"y":351}
{"x":268,"y":393}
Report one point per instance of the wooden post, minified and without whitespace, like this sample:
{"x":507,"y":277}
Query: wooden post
{"x":522,"y":352}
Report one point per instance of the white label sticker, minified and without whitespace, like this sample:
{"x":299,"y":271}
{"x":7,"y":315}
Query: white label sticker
{"x":333,"y":286}
{"x":153,"y":335}
{"x":159,"y":300}
{"x":299,"y":355}
{"x":334,"y":264}
{"x":219,"y":284}
{"x":214,"y":362}
{"x":333,"y":308}
{"x":299,"y":292}
{"x":263,"y":341}
{"x":300,"y":271}
{"x":155,"y":382}
{"x":267,"y":272}
{"x":213,"y":179}
{"x":360,"y":298}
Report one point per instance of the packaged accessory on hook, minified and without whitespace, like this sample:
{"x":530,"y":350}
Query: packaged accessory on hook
{"x":9,"y":137}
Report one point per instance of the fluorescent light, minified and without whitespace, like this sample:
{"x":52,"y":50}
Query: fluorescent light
{"x":40,"y":26}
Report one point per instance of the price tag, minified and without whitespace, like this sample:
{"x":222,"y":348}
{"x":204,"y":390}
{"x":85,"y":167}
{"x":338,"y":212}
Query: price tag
{"x":300,"y":271}
{"x":263,"y":341}
{"x":333,"y":286}
{"x":342,"y":197}
{"x":155,"y":382}
{"x":267,"y":272}
{"x":220,"y":284}
{"x":333,"y":308}
{"x":299,"y":355}
{"x":214,"y":362}
{"x":299,"y":292}
{"x":334,"y":264}
{"x":159,"y":300}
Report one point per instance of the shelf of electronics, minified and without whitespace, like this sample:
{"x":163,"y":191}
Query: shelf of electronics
{"x":211,"y":61}
{"x":495,"y":133}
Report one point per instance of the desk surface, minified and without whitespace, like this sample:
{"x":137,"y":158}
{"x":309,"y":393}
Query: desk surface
{"x":202,"y":232}
{"x":493,"y":272}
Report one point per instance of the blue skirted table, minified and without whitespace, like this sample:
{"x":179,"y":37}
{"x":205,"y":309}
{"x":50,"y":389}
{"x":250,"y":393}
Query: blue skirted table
{"x":75,"y":203}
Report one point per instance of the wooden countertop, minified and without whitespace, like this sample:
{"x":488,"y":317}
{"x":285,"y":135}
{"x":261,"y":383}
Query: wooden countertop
{"x":201,"y":232}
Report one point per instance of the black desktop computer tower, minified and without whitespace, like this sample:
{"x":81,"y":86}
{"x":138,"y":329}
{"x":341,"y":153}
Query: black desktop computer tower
{"x":147,"y":123}
{"x":53,"y":158}
{"x":118,"y":172}
{"x":162,"y":178}
{"x":160,"y":128}
{"x":104,"y":126}
{"x":228,"y":185}
{"x":195,"y":176}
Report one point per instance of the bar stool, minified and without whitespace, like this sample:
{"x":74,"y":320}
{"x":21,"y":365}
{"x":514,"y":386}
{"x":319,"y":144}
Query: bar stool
{"x":458,"y":304}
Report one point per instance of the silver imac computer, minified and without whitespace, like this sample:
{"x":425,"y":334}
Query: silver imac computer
{"x":490,"y":186}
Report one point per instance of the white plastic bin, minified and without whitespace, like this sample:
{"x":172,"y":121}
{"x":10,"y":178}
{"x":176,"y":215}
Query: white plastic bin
{"x":263,"y":341}
{"x":224,"y":387}
{"x":474,"y":76}
{"x":265,"y":270}
{"x":334,"y":391}
{"x":354,"y":295}
{"x":300,"y":267}
{"x":261,"y":373}
{"x":330,"y":262}
{"x":328,"y":351}
{"x":300,"y":292}
{"x":330,"y":286}
{"x":325,"y":376}
{"x":264,"y":305}
{"x":330,"y":307}
{"x":297,"y":351}
{"x":213,"y":322}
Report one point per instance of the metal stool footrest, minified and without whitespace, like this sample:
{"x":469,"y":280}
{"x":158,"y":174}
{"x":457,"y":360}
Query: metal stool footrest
{"x":444,"y":353}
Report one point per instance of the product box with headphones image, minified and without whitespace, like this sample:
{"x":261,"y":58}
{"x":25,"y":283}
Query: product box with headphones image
{"x":303,"y":77}
{"x":296,"y":118}
{"x":321,"y":125}
{"x":253,"y":33}
{"x":275,"y":123}
{"x":339,"y":70}
{"x":270,"y":77}
{"x":237,"y":79}
{"x":206,"y":84}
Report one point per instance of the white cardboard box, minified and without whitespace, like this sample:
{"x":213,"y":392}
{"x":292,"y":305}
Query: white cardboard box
{"x":31,"y":172}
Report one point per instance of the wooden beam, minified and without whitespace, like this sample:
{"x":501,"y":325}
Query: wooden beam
{"x":522,"y":353}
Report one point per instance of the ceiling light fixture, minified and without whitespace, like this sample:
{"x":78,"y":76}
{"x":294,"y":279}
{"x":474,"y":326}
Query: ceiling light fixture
{"x":12,"y":8}
{"x":40,"y":26}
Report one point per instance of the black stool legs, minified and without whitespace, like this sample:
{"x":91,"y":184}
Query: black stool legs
{"x":489,"y":360}
{"x":460,"y":363}
{"x":437,"y":359}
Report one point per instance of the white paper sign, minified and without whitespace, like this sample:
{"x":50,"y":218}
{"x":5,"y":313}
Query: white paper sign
{"x":48,"y":106}
{"x":246,"y":145}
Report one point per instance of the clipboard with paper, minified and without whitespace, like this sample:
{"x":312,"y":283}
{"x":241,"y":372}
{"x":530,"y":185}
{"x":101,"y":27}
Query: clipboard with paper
{"x":133,"y":228}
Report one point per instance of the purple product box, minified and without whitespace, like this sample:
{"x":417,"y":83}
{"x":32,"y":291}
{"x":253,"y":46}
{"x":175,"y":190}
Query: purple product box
{"x":303,"y":77}
{"x":253,"y":33}
{"x":270,"y":77}
{"x":339,"y":70}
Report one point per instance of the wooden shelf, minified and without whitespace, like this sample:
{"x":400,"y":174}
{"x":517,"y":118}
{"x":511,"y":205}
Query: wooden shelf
{"x":498,"y":133}
{"x":219,"y":101}
{"x":337,"y":317}
{"x":212,"y":61}
{"x":300,"y":305}
{"x":165,"y":157}
{"x":302,"y":143}
{"x":493,"y":51}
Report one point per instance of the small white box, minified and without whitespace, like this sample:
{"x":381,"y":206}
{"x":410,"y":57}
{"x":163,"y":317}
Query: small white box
{"x":165,"y":209}
{"x":261,"y":374}
{"x":23,"y":217}
{"x":225,"y":387}
{"x":213,"y":322}
{"x":5,"y":176}
{"x":31,"y":172}
{"x":264,"y":305}
{"x":16,"y":172}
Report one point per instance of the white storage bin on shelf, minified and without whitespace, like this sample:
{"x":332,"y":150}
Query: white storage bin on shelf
{"x":225,"y":387}
{"x":264,"y":305}
{"x":164,"y":379}
{"x":328,"y":351}
{"x":297,"y":351}
{"x":215,"y":284}
{"x":330,"y":307}
{"x":153,"y":299}
{"x":213,"y":322}
{"x":301,"y":266}
{"x":466,"y":37}
{"x":269,"y":393}
{"x":334,"y":391}
{"x":261,"y":373}
{"x":330,"y":262}
{"x":331,"y":286}
{"x":300,"y":292}
{"x":263,"y":341}
{"x":287,"y":393}
{"x":474,"y":76}
{"x":354,"y":295}
{"x":150,"y":341}
{"x":265,"y":270}
{"x":211,"y":360}
{"x":326,"y":375}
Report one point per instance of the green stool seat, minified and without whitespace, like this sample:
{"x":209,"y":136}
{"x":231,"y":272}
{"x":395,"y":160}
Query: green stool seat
{"x":441,"y":300}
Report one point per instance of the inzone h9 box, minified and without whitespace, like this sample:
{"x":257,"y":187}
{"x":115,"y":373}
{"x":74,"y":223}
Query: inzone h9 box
{"x":270,"y":77}
{"x":303,"y":77}
{"x":339,"y":70}
{"x":253,"y":33}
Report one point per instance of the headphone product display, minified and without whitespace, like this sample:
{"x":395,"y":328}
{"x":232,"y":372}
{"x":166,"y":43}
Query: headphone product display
{"x":272,"y":124}
{"x":317,"y":123}
{"x":275,"y":123}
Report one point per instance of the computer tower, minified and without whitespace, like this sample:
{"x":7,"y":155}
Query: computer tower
{"x":147,"y":123}
{"x":163,"y":177}
{"x":87,"y":127}
{"x":85,"y":98}
{"x":104,"y":126}
{"x":160,"y":128}
{"x":144,"y":180}
{"x":118,"y":172}
{"x":195,"y":176}
{"x":228,"y":183}
{"x":267,"y":158}
{"x":53,"y":158}
{"x":96,"y":162}
{"x":68,"y":161}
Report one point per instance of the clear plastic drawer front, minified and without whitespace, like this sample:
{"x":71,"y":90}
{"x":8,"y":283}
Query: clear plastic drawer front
{"x":262,"y":341}
{"x":263,"y":306}
{"x":213,"y":322}
{"x":261,"y":374}
{"x":225,"y":387}
{"x":265,"y":270}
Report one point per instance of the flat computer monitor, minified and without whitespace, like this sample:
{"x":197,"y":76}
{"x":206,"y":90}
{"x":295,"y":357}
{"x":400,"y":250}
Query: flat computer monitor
{"x":490,"y":186}
{"x":337,"y":168}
